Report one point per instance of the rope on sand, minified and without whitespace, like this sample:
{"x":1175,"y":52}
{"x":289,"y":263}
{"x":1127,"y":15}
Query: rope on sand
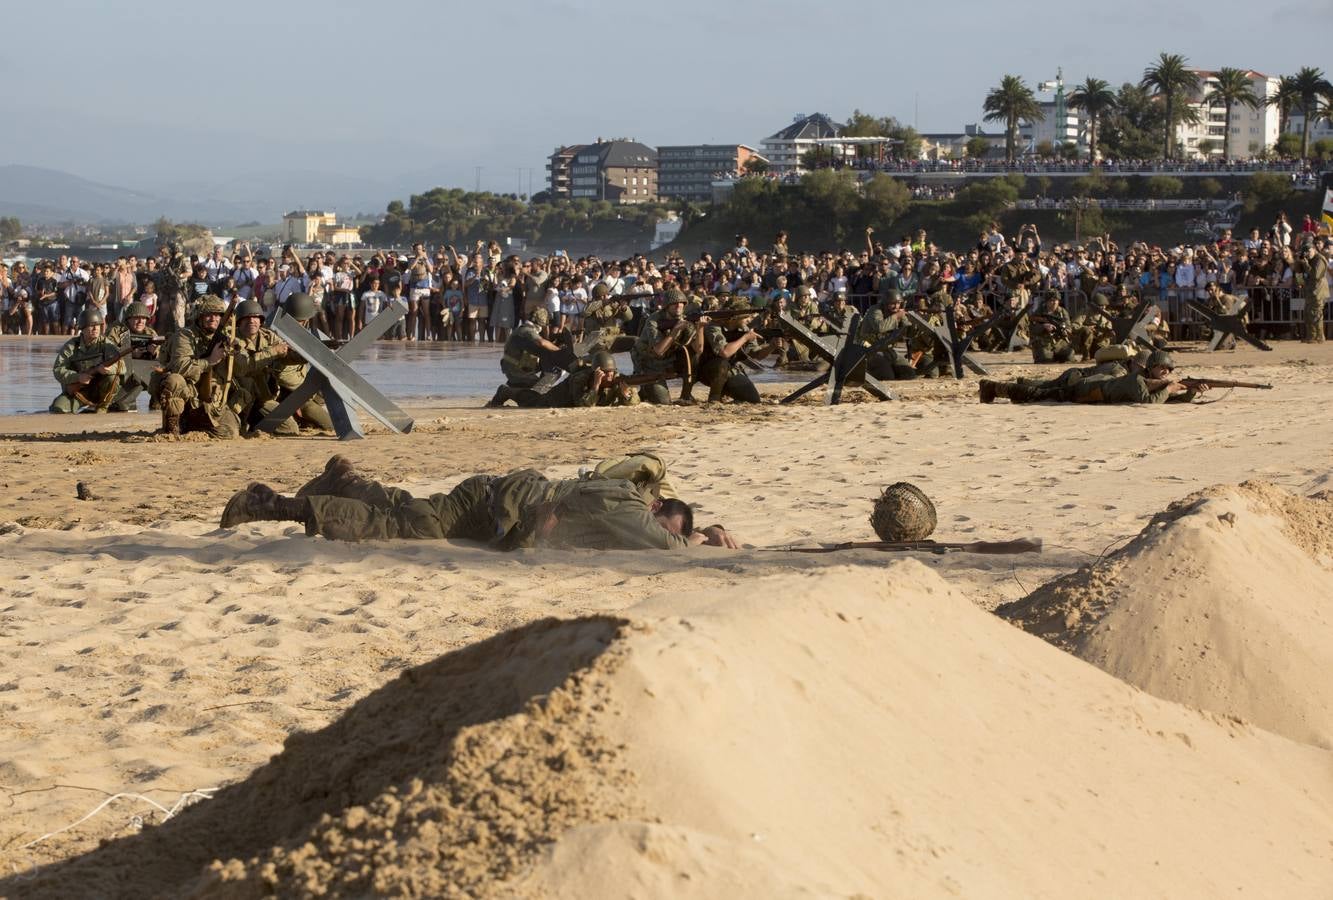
{"x":136,"y":821}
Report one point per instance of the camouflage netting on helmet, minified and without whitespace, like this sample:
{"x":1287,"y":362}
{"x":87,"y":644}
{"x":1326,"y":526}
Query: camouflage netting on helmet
{"x":903,"y":513}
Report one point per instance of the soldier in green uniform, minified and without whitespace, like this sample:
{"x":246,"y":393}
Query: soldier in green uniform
{"x":1051,"y":332}
{"x":1312,"y":268}
{"x":591,"y":383}
{"x":88,"y":377}
{"x":521,"y":509}
{"x":199,"y":390}
{"x":1147,"y":381}
{"x":927,"y":355}
{"x":1018,"y":276}
{"x":604,"y":319}
{"x":667,"y":343}
{"x":1093,"y":329}
{"x":718,"y":362}
{"x":1226,"y":304}
{"x":884,"y":319}
{"x":147,"y":345}
{"x":526,"y":354}
{"x":272,"y":370}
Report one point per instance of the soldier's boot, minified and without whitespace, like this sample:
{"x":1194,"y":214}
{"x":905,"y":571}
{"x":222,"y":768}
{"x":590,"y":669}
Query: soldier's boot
{"x":337,"y":470}
{"x":502,"y":393}
{"x":260,"y":503}
{"x":989,"y":390}
{"x":172,"y":410}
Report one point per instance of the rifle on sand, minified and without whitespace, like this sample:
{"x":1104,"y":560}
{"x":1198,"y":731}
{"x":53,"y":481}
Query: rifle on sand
{"x":993,"y":548}
{"x":1222,"y":383}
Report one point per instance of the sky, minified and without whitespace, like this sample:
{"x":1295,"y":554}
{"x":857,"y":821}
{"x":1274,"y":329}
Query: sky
{"x":404,"y":95}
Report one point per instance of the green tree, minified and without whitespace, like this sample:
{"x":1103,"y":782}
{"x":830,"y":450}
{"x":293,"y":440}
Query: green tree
{"x":10,"y":228}
{"x":1011,"y":102}
{"x":1045,"y":149}
{"x":1322,"y":149}
{"x":1171,"y":79}
{"x":982,"y":202}
{"x":976,"y":147}
{"x":1209,"y":188}
{"x":816,"y":157}
{"x":1313,"y":93}
{"x":1285,"y":99}
{"x":884,"y":200}
{"x":1095,"y":97}
{"x":1288,"y":144}
{"x":755,"y":165}
{"x":1233,"y":89}
{"x":1265,"y":187}
{"x":1161,"y":187}
{"x":1131,"y":130}
{"x":1206,"y":146}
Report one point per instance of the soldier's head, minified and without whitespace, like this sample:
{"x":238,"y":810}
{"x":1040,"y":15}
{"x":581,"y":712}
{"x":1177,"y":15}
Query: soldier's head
{"x":605,"y":361}
{"x":600,"y":291}
{"x":209,"y":313}
{"x":893,"y":298}
{"x":673,"y":304}
{"x":300,"y":306}
{"x":249,"y":318}
{"x":1100,"y":301}
{"x":1159,"y":364}
{"x":1052,"y":300}
{"x":1214,"y":288}
{"x":674,"y":515}
{"x":540,"y":317}
{"x":90,"y":323}
{"x":136,"y":317}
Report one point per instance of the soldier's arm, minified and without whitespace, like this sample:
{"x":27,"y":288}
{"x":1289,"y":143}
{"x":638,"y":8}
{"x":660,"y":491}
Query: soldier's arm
{"x":180,"y":358}
{"x":631,"y":526}
{"x":63,"y":368}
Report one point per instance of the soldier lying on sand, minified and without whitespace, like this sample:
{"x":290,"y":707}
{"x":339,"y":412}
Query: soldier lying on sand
{"x":623,"y":504}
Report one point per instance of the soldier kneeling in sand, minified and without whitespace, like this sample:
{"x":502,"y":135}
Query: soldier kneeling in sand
{"x":623,"y":504}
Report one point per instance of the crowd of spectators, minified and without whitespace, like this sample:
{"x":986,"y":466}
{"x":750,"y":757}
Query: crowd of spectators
{"x":481,"y":294}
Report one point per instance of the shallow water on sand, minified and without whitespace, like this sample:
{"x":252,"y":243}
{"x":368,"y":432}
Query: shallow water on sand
{"x":402,"y":371}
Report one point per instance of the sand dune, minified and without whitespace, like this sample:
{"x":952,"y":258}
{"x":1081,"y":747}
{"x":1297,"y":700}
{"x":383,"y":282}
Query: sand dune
{"x":829,"y":738}
{"x":1223,"y":602}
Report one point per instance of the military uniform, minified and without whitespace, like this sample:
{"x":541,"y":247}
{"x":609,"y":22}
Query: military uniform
{"x":506,"y":512}
{"x":929,"y":356}
{"x":1093,"y":330}
{"x":604,"y":319}
{"x":127,"y":398}
{"x":575,"y":391}
{"x":646,"y":362}
{"x":1051,"y":345}
{"x":1018,"y":276}
{"x":725,"y":377}
{"x":522,"y":359}
{"x":183,"y":407}
{"x":876,"y":325}
{"x":75,"y":358}
{"x":1314,"y":288}
{"x":1130,"y":387}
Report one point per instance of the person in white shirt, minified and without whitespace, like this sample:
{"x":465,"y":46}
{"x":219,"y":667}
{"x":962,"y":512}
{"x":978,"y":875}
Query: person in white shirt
{"x":288,"y":283}
{"x":217,"y":266}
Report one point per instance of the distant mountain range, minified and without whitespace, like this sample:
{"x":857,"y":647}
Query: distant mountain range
{"x":51,"y":197}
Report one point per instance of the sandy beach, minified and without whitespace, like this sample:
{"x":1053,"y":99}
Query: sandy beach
{"x":1146,"y":715}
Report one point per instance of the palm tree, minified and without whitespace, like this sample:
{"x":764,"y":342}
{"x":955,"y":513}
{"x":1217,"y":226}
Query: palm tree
{"x":1284,"y":98}
{"x":1095,"y":98}
{"x":1311,"y":89}
{"x":1233,"y":89}
{"x":1170,"y":78}
{"x":1011,"y":102}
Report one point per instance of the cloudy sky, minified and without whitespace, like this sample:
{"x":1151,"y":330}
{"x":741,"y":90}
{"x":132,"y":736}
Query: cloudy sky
{"x":414,"y":92}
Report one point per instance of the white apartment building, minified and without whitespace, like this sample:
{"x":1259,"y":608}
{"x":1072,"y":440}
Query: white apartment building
{"x":1057,"y":128}
{"x":1252,"y":130}
{"x":783,"y":149}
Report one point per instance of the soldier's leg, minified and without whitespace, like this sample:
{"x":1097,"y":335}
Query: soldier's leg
{"x":655,"y":393}
{"x":64,"y":403}
{"x":288,"y":426}
{"x":1063,"y":352}
{"x":714,"y":374}
{"x":464,"y":512}
{"x":127,"y":398}
{"x":881,"y":366}
{"x":741,"y":389}
{"x":314,"y":412}
{"x":175,"y":393}
{"x":1042,"y":353}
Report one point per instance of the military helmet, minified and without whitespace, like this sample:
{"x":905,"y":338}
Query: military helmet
{"x":1160,"y":358}
{"x":893,"y":295}
{"x":674,"y":295}
{"x":541,"y":317}
{"x":136,"y":310}
{"x":738,"y":303}
{"x":91,"y":315}
{"x":1100,"y":300}
{"x":247,"y":308}
{"x":299,"y":306}
{"x":600,"y":291}
{"x":210,"y":306}
{"x":603,"y":360}
{"x":903,"y":513}
{"x":1052,"y":295}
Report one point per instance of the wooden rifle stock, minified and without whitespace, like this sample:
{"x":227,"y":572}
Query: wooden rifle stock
{"x":1022,"y":545}
{"x":206,"y":379}
{"x":1222,"y":383}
